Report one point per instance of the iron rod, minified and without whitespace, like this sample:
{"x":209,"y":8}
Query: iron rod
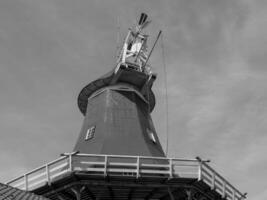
{"x":153,"y":47}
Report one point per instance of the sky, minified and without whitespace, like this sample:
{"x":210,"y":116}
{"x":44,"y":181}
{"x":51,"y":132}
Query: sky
{"x":214,"y":53}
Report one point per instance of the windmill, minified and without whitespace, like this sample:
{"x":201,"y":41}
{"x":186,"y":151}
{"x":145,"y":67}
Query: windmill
{"x":118,"y":154}
{"x":117,"y":106}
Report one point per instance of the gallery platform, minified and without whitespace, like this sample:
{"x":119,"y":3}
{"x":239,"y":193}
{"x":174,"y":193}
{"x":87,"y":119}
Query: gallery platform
{"x":88,"y":176}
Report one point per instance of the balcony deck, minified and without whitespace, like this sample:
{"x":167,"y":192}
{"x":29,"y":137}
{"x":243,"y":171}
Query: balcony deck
{"x":137,"y":176}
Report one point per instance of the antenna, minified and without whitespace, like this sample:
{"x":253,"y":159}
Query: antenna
{"x":118,"y":38}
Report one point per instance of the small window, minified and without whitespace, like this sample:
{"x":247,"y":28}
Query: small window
{"x":90,"y":133}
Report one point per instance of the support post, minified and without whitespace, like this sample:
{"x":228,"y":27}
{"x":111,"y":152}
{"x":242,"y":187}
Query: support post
{"x":137,"y":167}
{"x":47,"y":174}
{"x":105,"y":165}
{"x":233,"y":194}
{"x":223,"y":193}
{"x":26,"y":181}
{"x":213,"y":181}
{"x":200,"y":171}
{"x":170,"y":169}
{"x":70,"y":162}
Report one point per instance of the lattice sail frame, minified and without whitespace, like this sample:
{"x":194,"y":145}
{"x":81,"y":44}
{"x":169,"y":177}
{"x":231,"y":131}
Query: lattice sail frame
{"x":134,"y":52}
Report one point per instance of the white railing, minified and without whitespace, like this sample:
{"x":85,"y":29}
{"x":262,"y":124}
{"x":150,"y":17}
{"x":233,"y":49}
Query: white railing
{"x":119,"y":165}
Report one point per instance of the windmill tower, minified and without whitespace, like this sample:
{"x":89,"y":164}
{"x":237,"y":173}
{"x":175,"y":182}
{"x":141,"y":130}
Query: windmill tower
{"x":117,"y":106}
{"x":118,"y":154}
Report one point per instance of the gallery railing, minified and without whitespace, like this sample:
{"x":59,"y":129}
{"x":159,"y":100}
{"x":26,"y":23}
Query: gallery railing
{"x":120,"y":165}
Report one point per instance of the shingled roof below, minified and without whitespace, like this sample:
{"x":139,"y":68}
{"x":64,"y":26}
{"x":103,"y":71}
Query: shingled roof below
{"x":10,"y":193}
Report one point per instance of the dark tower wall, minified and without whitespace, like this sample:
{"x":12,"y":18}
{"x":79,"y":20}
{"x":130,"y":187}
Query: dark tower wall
{"x":118,"y":122}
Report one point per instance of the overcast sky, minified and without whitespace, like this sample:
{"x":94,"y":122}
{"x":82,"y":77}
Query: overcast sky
{"x":215,"y":55}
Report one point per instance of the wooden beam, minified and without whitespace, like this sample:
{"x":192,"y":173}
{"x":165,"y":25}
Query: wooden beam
{"x":78,"y":191}
{"x":170,"y":194}
{"x":90,"y":193}
{"x":66,"y":195}
{"x":189,"y":194}
{"x":116,"y":77}
{"x":151,"y":193}
{"x":111,"y":193}
{"x":96,"y":183}
{"x":131,"y":193}
{"x":61,"y":195}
